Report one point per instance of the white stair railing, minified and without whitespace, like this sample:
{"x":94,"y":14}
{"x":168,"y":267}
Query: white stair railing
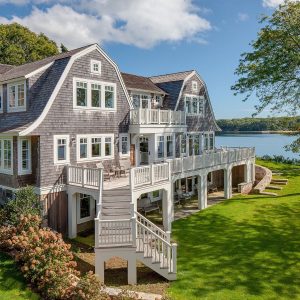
{"x":155,"y":247}
{"x":163,"y":234}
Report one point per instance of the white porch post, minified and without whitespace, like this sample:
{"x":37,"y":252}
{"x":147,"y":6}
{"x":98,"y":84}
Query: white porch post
{"x":131,"y":270}
{"x":172,"y":201}
{"x":228,"y":182}
{"x":247,"y":172}
{"x":99,"y":265}
{"x":167,"y":208}
{"x":202,"y":191}
{"x":72,"y":218}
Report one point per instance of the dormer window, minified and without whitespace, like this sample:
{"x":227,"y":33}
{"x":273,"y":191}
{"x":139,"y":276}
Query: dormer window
{"x":96,"y":67}
{"x":194,"y":86}
{"x":16,"y":97}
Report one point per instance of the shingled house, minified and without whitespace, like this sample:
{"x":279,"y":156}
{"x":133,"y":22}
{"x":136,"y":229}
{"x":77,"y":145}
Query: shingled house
{"x":102,"y":148}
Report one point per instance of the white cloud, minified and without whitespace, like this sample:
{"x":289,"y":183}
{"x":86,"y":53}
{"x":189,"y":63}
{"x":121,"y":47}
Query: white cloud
{"x":243,"y":17}
{"x":134,"y":22}
{"x":273,"y":3}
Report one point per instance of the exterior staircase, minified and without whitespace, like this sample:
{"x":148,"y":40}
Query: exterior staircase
{"x":118,"y":225}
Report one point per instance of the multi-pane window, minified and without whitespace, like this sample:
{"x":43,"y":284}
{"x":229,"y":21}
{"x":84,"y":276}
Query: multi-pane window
{"x":169,"y":145}
{"x":194,"y":86}
{"x":96,"y":147}
{"x":141,"y":100}
{"x":191,"y":145}
{"x":94,"y":95}
{"x":206,"y":141}
{"x":195,"y":105}
{"x":81,"y":93}
{"x":160,"y":146}
{"x":109,"y":96}
{"x":25,"y":155}
{"x":96,"y":67}
{"x":85,"y":206}
{"x":124,"y":144}
{"x":6,"y":155}
{"x":1,"y":97}
{"x":183,"y":144}
{"x":83,"y":148}
{"x":211,"y":141}
{"x":61,"y":148}
{"x":196,"y":145}
{"x":93,"y":147}
{"x":16,"y":97}
{"x":107,"y":146}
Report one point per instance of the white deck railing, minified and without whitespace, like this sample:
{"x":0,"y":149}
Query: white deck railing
{"x":210,"y":159}
{"x":146,"y":116}
{"x":113,"y":232}
{"x":85,"y":177}
{"x":151,"y":174}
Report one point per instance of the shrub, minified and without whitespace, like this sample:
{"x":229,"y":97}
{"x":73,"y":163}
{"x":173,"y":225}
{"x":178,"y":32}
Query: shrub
{"x":90,"y":288}
{"x":281,"y":159}
{"x":25,"y":202}
{"x":46,"y":259}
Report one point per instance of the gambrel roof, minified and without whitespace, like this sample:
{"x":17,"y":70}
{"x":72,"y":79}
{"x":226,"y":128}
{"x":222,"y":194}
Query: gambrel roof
{"x":21,"y":71}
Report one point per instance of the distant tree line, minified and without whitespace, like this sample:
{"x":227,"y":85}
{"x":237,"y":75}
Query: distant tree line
{"x":260,"y":124}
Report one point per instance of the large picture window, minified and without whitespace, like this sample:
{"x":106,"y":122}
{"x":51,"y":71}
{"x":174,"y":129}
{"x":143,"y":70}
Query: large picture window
{"x":16,"y":97}
{"x":6,"y":155}
{"x":94,"y":147}
{"x":89,"y":94}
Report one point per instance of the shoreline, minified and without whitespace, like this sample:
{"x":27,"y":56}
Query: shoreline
{"x":259,"y":132}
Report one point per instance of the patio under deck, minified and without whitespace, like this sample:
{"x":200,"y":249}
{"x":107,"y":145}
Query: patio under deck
{"x":115,"y":183}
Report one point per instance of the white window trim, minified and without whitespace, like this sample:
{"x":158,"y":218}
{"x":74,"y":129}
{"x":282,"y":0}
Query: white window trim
{"x":16,"y":108}
{"x":165,"y":146}
{"x":93,"y":61}
{"x":92,"y":210}
{"x":11,"y":170}
{"x":89,"y":95}
{"x":67,"y":160}
{"x":20,"y":169}
{"x":198,"y":101}
{"x":89,"y":147}
{"x":194,"y":83}
{"x":141,"y":94}
{"x":1,"y":99}
{"x":120,"y":144}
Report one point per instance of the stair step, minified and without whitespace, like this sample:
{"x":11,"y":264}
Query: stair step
{"x":274,"y":187}
{"x":279,"y":182}
{"x":268,"y":193}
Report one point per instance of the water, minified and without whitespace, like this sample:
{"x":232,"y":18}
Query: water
{"x":265,"y":144}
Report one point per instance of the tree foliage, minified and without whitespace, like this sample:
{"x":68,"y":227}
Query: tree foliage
{"x":26,"y":202}
{"x":19,"y":45}
{"x":260,"y":124}
{"x":272,"y":69}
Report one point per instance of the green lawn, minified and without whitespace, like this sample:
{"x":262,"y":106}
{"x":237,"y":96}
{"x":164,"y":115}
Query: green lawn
{"x":12,"y":284}
{"x":244,"y":248}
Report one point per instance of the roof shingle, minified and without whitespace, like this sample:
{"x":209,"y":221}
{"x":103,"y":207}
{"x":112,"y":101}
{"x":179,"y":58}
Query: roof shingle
{"x":141,"y":83}
{"x":170,"y":77}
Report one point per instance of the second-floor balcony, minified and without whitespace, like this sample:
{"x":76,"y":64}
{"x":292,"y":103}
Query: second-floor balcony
{"x":155,"y":118}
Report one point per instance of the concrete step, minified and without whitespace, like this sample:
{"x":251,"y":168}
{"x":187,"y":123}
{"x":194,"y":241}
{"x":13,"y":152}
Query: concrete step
{"x":274,"y":187}
{"x":268,"y":193}
{"x":279,"y":182}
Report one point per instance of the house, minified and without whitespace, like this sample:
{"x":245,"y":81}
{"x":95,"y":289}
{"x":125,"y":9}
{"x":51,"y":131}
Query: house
{"x":99,"y":145}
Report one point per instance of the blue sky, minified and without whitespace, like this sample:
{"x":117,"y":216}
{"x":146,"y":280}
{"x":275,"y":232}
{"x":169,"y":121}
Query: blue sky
{"x":149,"y":37}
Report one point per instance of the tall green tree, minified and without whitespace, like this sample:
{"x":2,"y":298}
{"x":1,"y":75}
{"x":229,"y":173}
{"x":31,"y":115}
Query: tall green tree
{"x":19,"y":45}
{"x":271,"y":70}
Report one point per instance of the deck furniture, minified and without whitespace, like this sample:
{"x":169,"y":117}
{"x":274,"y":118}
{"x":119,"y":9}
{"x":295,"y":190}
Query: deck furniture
{"x":183,"y":196}
{"x":124,"y":167}
{"x":148,"y":206}
{"x":108,"y":174}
